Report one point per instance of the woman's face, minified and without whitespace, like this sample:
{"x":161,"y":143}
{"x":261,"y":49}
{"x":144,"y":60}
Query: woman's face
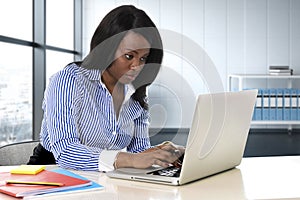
{"x":130,"y":58}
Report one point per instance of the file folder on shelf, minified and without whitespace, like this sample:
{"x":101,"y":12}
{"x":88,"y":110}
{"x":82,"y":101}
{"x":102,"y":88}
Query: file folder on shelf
{"x":265,"y":104}
{"x":257,"y":115}
{"x":298,"y":104}
{"x":294,"y":104}
{"x":273,"y":104}
{"x":279,"y":104}
{"x":286,"y":104}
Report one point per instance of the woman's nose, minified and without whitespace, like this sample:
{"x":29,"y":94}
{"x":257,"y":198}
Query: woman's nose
{"x":135,"y":65}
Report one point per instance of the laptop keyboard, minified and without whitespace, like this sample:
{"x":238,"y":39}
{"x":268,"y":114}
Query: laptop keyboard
{"x":170,"y":172}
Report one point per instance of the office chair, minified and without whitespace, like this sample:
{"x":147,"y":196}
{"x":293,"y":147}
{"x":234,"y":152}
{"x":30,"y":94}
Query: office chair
{"x":16,"y":153}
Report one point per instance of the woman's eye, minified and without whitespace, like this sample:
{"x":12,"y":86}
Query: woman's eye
{"x":128,"y":56}
{"x":143,"y":59}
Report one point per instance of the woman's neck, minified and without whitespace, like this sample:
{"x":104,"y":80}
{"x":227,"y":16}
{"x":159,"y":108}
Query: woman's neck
{"x":116,"y":90}
{"x":110,"y":82}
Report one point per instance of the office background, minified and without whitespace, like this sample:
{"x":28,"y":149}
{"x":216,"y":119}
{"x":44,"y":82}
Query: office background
{"x":239,"y":36}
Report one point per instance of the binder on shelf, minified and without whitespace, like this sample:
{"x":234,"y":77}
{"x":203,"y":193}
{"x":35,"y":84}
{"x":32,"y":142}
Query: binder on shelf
{"x":294,"y":104}
{"x":286,"y":104}
{"x":279,"y":113}
{"x":258,"y":106}
{"x":281,"y":104}
{"x":273,"y":104}
{"x":298,"y":104}
{"x":265,"y":104}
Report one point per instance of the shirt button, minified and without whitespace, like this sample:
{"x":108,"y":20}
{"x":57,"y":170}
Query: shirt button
{"x":114,"y":133}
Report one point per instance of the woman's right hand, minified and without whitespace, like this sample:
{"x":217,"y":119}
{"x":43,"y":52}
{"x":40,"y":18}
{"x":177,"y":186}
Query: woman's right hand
{"x":163,"y":155}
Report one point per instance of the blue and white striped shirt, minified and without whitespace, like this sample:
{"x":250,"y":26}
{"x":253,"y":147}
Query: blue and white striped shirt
{"x":80,"y":126}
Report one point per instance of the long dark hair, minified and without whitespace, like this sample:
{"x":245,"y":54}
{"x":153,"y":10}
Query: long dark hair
{"x":108,"y":36}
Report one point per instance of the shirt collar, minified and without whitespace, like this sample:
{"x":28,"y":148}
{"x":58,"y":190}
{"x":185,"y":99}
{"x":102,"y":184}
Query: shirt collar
{"x":91,"y":74}
{"x":95,"y":75}
{"x":128,"y":88}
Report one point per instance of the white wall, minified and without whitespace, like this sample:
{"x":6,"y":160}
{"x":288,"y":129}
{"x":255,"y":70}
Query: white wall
{"x":239,"y":36}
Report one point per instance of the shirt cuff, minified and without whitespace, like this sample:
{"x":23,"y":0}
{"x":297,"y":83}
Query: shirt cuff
{"x":107,"y":159}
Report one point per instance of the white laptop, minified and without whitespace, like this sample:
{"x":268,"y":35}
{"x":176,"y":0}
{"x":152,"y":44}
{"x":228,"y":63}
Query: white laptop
{"x":216,"y":140}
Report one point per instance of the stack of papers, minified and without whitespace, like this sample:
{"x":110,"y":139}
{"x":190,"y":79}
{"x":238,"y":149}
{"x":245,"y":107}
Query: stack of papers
{"x":69,"y":181}
{"x":280,"y":70}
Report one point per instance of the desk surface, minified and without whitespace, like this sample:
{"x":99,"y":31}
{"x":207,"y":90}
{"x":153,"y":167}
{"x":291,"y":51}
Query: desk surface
{"x":255,"y":178}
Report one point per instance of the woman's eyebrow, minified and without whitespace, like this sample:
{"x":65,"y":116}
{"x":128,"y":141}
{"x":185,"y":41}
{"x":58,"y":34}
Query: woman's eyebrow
{"x":136,"y":52}
{"x":131,"y":50}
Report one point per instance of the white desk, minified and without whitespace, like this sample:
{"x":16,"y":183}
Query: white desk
{"x":255,"y":178}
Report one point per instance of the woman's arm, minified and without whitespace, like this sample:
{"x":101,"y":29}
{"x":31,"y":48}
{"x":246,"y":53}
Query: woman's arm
{"x":140,"y":154}
{"x":61,"y":113}
{"x":163,"y":155}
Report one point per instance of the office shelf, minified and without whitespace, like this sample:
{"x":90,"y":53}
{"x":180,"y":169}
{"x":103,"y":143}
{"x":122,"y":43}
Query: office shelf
{"x":275,"y":122}
{"x":236,"y":82}
{"x":242,"y":77}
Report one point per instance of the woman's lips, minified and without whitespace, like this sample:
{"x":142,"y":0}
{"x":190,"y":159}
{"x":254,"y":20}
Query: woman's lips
{"x":131,"y":76}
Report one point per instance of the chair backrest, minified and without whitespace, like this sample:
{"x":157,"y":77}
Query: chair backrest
{"x":16,"y":153}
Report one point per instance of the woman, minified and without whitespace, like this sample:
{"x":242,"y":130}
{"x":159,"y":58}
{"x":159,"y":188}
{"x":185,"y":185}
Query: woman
{"x":96,"y":109}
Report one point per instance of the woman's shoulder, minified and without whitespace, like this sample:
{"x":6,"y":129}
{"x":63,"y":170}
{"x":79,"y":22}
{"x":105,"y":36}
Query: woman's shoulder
{"x":68,"y":74}
{"x":70,"y":70}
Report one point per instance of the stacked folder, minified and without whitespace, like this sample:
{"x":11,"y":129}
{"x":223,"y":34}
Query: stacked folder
{"x":277,"y":104}
{"x":31,"y":180}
